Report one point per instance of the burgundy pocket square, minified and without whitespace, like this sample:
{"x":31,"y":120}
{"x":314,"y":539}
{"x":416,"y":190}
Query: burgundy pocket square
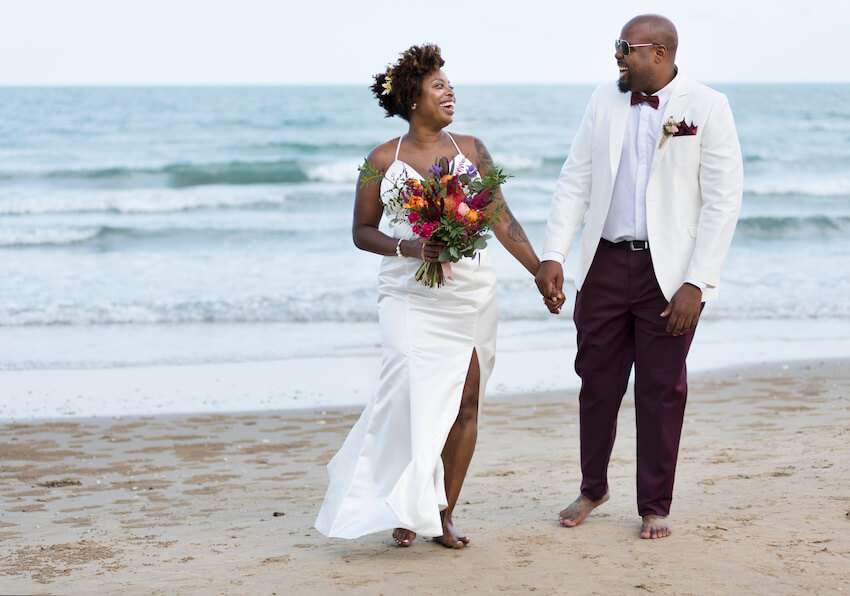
{"x":685,"y":130}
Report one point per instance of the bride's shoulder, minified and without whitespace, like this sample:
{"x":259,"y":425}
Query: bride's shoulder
{"x":472,"y":148}
{"x":381,"y":156}
{"x":469,"y":145}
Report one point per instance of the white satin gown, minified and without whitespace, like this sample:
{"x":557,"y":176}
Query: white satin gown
{"x":389,"y":472}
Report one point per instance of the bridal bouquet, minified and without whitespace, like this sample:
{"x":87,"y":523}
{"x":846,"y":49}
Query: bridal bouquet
{"x":453,"y":209}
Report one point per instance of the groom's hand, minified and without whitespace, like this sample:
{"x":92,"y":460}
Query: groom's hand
{"x":683,"y":309}
{"x":550,"y":281}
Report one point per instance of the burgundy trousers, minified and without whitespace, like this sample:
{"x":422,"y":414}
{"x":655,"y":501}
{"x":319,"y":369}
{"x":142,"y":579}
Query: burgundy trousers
{"x":617,"y":318}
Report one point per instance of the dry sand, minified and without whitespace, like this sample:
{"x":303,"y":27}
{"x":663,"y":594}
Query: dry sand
{"x":225,"y":503}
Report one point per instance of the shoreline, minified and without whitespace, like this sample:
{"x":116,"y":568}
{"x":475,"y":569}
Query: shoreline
{"x":225,"y":502}
{"x":737,"y":371}
{"x":532,"y":356}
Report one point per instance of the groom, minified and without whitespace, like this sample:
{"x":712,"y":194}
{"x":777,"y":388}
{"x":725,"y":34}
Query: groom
{"x":655,"y":174}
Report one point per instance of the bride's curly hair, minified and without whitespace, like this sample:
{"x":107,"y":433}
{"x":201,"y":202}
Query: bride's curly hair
{"x":407,"y":74}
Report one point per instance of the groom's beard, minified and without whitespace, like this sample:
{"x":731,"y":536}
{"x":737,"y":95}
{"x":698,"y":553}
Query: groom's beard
{"x":624,"y":85}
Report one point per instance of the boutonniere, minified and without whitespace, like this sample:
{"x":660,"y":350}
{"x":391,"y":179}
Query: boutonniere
{"x":672,"y":128}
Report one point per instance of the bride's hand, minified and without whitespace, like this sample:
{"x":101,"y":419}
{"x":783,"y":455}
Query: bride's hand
{"x":555,"y":303}
{"x":430,"y":250}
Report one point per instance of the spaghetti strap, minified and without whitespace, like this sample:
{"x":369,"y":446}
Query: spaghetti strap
{"x":397,"y":147}
{"x":453,"y":143}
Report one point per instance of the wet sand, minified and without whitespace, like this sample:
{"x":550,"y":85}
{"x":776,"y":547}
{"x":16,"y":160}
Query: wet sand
{"x":225,"y":503}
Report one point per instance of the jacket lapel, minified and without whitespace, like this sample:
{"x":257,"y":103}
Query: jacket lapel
{"x":675,"y":108}
{"x":617,"y":131}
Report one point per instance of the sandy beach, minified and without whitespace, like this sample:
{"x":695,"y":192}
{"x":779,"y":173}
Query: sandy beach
{"x":224,"y":503}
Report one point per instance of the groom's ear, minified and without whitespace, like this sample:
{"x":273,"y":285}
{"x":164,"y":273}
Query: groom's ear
{"x":660,"y":53}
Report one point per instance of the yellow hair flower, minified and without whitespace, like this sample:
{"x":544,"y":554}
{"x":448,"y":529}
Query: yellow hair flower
{"x":388,"y":86}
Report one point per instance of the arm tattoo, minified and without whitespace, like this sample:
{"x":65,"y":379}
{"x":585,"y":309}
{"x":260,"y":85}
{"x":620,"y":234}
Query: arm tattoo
{"x":515,"y":231}
{"x":484,"y":156}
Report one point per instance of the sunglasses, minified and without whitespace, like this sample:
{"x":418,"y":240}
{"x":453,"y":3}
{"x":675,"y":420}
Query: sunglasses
{"x":624,"y":47}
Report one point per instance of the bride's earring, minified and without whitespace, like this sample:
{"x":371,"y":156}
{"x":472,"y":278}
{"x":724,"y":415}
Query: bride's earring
{"x":413,"y":107}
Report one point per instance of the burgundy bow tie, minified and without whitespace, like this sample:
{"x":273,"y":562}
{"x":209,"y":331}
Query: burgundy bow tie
{"x":652,"y":100}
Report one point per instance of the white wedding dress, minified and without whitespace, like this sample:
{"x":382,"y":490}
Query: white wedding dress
{"x":389,"y":473}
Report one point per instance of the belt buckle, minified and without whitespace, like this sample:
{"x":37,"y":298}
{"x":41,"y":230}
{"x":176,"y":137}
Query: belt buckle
{"x":635,"y":245}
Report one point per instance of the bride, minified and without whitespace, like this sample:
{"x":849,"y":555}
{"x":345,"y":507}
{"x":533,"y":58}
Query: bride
{"x":404,"y":462}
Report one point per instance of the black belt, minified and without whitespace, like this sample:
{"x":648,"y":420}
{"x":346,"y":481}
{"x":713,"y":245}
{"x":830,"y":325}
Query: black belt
{"x":630,"y":244}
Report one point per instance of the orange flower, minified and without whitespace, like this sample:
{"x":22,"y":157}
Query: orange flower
{"x":415,"y":203}
{"x":471,"y":216}
{"x":445,"y":179}
{"x":451,"y":202}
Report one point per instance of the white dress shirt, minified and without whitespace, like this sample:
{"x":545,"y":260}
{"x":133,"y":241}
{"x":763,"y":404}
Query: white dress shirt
{"x":627,"y":213}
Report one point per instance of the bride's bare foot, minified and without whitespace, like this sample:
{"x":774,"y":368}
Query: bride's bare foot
{"x":403,"y":537}
{"x":450,"y":538}
{"x":655,"y":526}
{"x":579,"y":509}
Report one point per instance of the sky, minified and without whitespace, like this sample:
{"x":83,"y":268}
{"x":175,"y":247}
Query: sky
{"x":329,"y":42}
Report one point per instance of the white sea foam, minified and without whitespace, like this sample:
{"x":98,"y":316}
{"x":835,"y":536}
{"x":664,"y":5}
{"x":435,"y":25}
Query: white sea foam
{"x":337,"y":171}
{"x":822,"y":186}
{"x":12,"y":237}
{"x":518,"y":163}
{"x":140,"y":200}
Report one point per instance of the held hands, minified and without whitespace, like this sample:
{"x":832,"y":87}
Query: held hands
{"x":683,"y":309}
{"x":550,"y":281}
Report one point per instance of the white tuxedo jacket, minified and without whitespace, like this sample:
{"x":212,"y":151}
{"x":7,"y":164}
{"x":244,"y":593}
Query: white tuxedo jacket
{"x":692,"y":199}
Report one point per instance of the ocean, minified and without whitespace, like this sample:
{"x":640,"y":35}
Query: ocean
{"x":190,"y":230}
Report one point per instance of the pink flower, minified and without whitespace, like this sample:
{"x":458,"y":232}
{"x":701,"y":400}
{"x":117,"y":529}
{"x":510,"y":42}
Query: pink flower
{"x":462,"y":209}
{"x":413,"y":217}
{"x":417,"y":229}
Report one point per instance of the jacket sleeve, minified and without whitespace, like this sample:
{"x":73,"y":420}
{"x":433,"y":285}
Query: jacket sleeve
{"x":721,"y":179}
{"x":572,"y":193}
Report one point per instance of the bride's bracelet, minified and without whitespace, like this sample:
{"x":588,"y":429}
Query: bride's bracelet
{"x":398,"y":248}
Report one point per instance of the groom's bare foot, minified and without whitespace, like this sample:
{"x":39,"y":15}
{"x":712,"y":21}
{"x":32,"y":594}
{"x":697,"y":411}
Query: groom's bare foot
{"x":450,"y":538}
{"x":579,"y":509}
{"x":403,"y":537}
{"x":655,"y":526}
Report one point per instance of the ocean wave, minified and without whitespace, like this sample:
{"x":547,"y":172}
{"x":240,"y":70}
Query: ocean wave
{"x":351,"y":308}
{"x":338,"y":171}
{"x":311,"y":148}
{"x":785,"y":227}
{"x":47,"y":237}
{"x":184,"y":175}
{"x":235,"y":172}
{"x":518,"y":163}
{"x":827,"y":186}
{"x":139,"y":201}
{"x":307,"y":230}
{"x":176,"y":175}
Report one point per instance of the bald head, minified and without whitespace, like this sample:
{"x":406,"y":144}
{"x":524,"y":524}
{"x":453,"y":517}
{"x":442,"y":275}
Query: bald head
{"x":657,"y":28}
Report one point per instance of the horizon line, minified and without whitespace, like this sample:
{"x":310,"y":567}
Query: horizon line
{"x":348,"y":84}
